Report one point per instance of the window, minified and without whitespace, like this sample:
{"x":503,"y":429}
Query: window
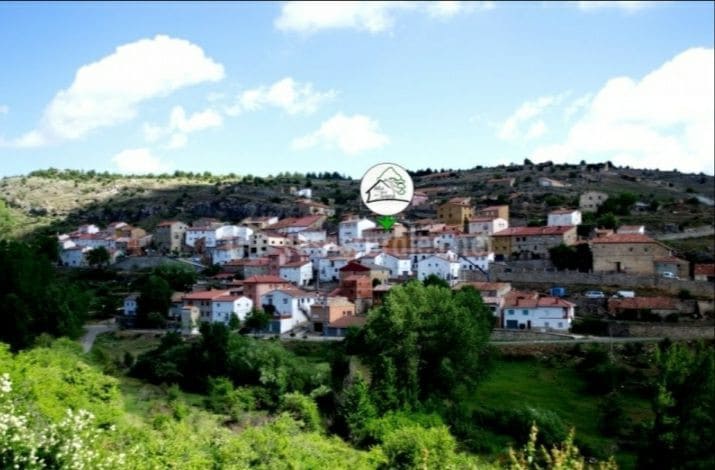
{"x":524,"y":312}
{"x":285,"y":301}
{"x":511,"y":312}
{"x":561,"y":324}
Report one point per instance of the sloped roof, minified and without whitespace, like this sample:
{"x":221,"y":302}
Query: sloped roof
{"x":534,"y":231}
{"x":264,"y":279}
{"x":642,"y":303}
{"x":348,"y":321}
{"x":624,"y":238}
{"x":705,"y":269}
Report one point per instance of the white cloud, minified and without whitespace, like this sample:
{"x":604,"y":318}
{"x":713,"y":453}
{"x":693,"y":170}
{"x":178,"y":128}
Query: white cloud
{"x":139,"y":161}
{"x":179,"y":126}
{"x":286,"y":94}
{"x":4,"y":109}
{"x":536,"y":130}
{"x":577,"y":105}
{"x":512,"y":127}
{"x":351,"y":134}
{"x":374,"y":17}
{"x":665,"y":120}
{"x":629,"y":6}
{"x":107,"y":92}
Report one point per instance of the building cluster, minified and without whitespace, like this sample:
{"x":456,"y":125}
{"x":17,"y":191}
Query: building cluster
{"x":301,"y":275}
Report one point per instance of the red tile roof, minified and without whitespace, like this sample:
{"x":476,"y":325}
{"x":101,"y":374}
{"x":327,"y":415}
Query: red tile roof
{"x":460,"y":201}
{"x":534,"y":300}
{"x":296,"y":222}
{"x":354,"y":266}
{"x":265,"y":279}
{"x":624,"y":238}
{"x":295,"y":264}
{"x":348,"y":321}
{"x":642,"y":303}
{"x":534,"y":231}
{"x":204,"y":295}
{"x":484,"y":286}
{"x":705,"y":269}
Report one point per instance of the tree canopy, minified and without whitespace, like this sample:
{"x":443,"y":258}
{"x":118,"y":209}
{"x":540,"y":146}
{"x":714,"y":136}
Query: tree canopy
{"x":424,"y":342}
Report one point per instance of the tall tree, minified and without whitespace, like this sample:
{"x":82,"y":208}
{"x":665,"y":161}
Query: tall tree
{"x":424,"y":342}
{"x":683,"y":431}
{"x":98,"y":257}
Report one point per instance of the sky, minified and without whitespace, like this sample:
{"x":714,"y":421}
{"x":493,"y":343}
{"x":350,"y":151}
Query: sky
{"x":269,"y":87}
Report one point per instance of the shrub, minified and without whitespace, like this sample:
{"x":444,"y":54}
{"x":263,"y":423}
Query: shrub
{"x":303,"y":409}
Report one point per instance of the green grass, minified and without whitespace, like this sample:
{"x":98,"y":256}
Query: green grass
{"x":114,"y":345}
{"x":558,"y":389}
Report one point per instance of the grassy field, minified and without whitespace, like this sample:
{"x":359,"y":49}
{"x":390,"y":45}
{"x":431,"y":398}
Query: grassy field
{"x":559,"y":389}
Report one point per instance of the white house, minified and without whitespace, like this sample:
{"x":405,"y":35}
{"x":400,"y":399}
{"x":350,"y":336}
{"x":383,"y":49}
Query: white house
{"x":399,"y":265}
{"x":299,"y":273}
{"x":89,"y":228}
{"x":75,"y":256}
{"x":193,"y":234}
{"x":361,"y":246}
{"x":234,"y":231}
{"x":631,"y":229}
{"x":223,"y":306}
{"x":289,"y":307}
{"x":487,"y":225}
{"x":530,"y":311}
{"x":315,"y":251}
{"x":564,"y":217}
{"x":439,"y":266}
{"x":203,"y":300}
{"x":417,"y":255}
{"x":311,"y":236}
{"x":353,"y":228}
{"x":224,"y":254}
{"x":476,"y":261}
{"x":131,"y":305}
{"x":305,"y":192}
{"x":329,"y":267}
{"x":446,"y":240}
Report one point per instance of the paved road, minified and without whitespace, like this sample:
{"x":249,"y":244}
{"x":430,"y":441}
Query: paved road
{"x":92,"y":332}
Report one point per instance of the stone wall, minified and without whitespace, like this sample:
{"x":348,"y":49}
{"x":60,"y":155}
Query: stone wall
{"x":672,"y":286}
{"x":501,"y":334}
{"x":657,"y":330}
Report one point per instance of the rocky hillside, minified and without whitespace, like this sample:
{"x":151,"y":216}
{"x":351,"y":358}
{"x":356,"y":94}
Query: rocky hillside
{"x":52,"y":200}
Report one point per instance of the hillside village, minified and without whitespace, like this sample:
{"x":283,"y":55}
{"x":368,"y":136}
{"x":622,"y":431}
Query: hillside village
{"x":317,"y":281}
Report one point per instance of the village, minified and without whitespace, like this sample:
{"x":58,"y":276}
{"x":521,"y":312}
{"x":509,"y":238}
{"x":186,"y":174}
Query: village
{"x":316,"y":283}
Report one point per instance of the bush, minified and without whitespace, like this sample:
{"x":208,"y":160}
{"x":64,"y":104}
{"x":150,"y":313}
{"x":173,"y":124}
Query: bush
{"x":303,"y":409}
{"x":417,"y":447}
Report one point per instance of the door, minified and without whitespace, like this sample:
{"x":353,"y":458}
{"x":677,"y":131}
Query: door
{"x":512,"y":324}
{"x":528,"y":324}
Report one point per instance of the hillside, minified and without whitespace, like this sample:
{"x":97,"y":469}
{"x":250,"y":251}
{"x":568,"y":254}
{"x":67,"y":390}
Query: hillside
{"x":56,"y":200}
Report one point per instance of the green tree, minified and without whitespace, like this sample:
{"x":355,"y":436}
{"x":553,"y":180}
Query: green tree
{"x":607,"y":220}
{"x":416,"y":447}
{"x":7,"y":222}
{"x":154,"y":297}
{"x":179,"y":278}
{"x":424,"y":341}
{"x":35,"y":300}
{"x":98,"y":257}
{"x":683,"y":431}
{"x":257,"y":320}
{"x":356,"y":409}
{"x":434,"y":280}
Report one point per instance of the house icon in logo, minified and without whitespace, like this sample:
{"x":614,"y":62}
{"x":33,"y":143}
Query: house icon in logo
{"x":381,"y":191}
{"x":386,"y":188}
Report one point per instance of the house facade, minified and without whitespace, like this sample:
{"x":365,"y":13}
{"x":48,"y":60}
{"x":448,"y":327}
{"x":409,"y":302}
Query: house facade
{"x":527,"y":311}
{"x":476,"y":261}
{"x":289,"y":307}
{"x":590,"y":201}
{"x":563,"y":217}
{"x":353,"y":228}
{"x":455,"y":211}
{"x":439,"y":266}
{"x":328,"y":309}
{"x":169,"y":235}
{"x":255,"y":286}
{"x":531,"y":242}
{"x":227,"y":305}
{"x":487,"y":225}
{"x":630,"y":253}
{"x":494,"y":212}
{"x":298,"y":273}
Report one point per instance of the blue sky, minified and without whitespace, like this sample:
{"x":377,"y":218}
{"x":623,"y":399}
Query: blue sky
{"x":263,"y":88}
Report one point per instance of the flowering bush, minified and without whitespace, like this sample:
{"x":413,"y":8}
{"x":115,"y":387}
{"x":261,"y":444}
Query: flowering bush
{"x":28,"y":442}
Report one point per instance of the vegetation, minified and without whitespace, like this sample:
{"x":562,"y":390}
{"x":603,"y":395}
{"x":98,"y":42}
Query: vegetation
{"x":35,"y":299}
{"x":577,"y":257}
